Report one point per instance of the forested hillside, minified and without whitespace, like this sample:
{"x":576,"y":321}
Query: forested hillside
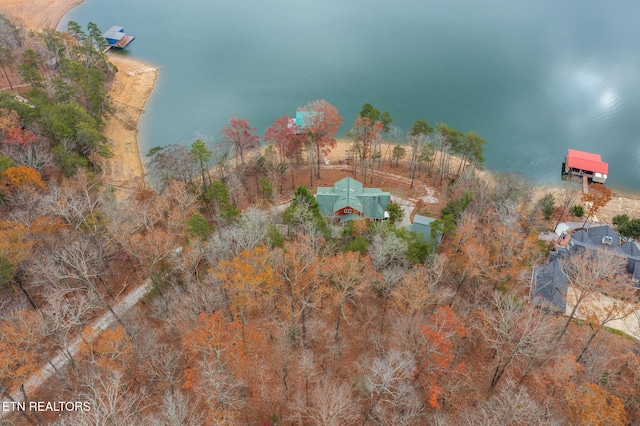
{"x":261,"y":311}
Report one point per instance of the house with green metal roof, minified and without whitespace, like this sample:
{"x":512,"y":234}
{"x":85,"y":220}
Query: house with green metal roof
{"x":304,"y":119}
{"x":347,"y":200}
{"x":422,"y":225}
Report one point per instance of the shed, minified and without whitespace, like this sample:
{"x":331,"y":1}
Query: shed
{"x":422,"y":225}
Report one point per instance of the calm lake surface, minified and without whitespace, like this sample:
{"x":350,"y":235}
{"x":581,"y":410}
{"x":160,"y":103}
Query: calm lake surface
{"x":534,"y":78}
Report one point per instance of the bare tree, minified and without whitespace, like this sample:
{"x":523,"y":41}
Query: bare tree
{"x":348,"y":274}
{"x":588,"y":272}
{"x":422,"y":287}
{"x":332,"y":404}
{"x":389,"y":388}
{"x":35,"y":155}
{"x":512,"y":406}
{"x":390,"y":278}
{"x":240,"y":137}
{"x":172,"y":163}
{"x":79,"y":204}
{"x":249,"y":231}
{"x":600,"y":310}
{"x":569,"y":195}
{"x":65,"y":315}
{"x":113,"y":402}
{"x":225,"y":396}
{"x":387,"y":249}
{"x":297,"y":266}
{"x":178,"y":409}
{"x":511,"y":331}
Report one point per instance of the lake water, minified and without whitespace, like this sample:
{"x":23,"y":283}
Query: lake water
{"x":534,"y":78}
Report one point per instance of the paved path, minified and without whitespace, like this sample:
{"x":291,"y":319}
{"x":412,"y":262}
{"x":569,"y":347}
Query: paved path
{"x":60,"y":360}
{"x":407,"y":206}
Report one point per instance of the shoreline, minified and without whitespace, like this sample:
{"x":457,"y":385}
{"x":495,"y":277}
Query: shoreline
{"x":130,"y":90}
{"x":38,"y":14}
{"x":134,"y":84}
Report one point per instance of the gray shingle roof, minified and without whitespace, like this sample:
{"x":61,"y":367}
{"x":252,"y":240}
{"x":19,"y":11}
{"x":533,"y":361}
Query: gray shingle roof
{"x":631,"y":249}
{"x":550,"y":285}
{"x":550,"y":282}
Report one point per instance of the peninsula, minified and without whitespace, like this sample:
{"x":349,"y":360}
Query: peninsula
{"x":129,"y":92}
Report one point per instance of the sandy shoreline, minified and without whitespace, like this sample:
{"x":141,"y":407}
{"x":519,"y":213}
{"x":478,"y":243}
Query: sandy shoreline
{"x":130,"y":91}
{"x":38,"y":14}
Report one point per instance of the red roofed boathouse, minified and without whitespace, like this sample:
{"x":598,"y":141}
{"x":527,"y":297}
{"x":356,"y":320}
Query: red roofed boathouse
{"x":585,"y":165}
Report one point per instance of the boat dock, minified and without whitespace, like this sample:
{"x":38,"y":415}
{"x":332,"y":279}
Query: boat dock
{"x":121,"y":44}
{"x":117,"y":38}
{"x":585,"y":166}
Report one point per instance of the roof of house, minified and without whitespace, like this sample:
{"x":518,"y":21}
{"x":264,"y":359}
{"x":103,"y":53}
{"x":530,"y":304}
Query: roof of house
{"x":631,"y":249}
{"x":597,"y":237}
{"x":303,"y":118}
{"x":550,"y":284}
{"x":348,"y":192}
{"x":586,"y":161}
{"x":549,"y":281}
{"x":604,"y":237}
{"x":634,"y":269}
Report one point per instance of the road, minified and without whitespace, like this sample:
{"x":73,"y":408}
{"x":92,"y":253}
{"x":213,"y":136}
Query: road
{"x":60,"y":360}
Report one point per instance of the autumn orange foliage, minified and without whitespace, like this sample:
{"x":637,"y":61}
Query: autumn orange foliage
{"x":443,"y":331}
{"x":14,"y":244}
{"x":248,"y":280}
{"x":591,"y":405}
{"x":21,"y":178}
{"x":19,"y":351}
{"x":8,"y":120}
{"x":110,"y":350}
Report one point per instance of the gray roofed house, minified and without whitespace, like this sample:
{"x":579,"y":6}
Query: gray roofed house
{"x":549,"y":281}
{"x":596,"y":237}
{"x":605,"y":237}
{"x":347,"y":200}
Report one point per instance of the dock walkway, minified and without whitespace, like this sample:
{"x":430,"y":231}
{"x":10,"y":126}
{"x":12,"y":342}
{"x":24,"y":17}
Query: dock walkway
{"x":121,"y":44}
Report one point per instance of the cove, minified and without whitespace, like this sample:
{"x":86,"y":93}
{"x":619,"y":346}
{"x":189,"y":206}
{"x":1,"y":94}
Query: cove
{"x":533,"y":78}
